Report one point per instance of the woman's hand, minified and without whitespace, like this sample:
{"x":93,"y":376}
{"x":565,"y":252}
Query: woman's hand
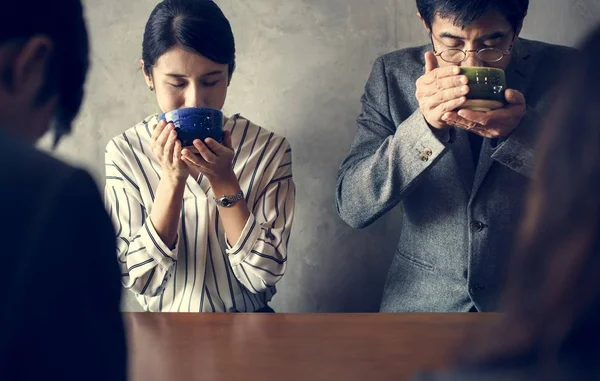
{"x":212,"y":159}
{"x":169,"y":194}
{"x":168,"y":150}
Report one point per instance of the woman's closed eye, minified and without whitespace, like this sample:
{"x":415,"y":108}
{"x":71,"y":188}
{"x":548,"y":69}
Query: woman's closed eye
{"x":177,"y":85}
{"x":210,"y":84}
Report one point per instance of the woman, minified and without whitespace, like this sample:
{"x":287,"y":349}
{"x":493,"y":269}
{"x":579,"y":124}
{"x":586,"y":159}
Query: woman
{"x":551,"y":329}
{"x":178,"y":249}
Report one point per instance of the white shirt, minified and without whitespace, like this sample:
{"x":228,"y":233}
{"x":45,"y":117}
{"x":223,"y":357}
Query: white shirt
{"x":202,"y":273}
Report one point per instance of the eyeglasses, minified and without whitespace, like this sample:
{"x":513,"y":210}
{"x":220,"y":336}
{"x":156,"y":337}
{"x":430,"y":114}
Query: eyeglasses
{"x":456,"y":56}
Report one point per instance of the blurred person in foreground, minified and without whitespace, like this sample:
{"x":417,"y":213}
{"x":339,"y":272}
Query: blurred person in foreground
{"x":59,"y":318}
{"x":551,"y":329}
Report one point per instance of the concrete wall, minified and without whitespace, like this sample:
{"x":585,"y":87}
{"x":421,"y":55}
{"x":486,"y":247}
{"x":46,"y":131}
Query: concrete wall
{"x":302,"y":66}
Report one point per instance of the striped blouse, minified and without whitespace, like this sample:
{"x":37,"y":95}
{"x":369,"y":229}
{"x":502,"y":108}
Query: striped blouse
{"x":202,"y":273}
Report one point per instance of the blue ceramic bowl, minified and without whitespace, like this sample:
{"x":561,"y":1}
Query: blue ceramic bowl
{"x":195,"y":123}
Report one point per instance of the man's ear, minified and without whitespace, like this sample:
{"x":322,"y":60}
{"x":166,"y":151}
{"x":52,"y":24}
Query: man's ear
{"x":29,"y":70}
{"x":424,"y":23}
{"x":518,"y":32}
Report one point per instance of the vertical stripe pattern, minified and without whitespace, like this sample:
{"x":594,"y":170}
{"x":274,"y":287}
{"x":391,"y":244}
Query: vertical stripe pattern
{"x":202,"y":273}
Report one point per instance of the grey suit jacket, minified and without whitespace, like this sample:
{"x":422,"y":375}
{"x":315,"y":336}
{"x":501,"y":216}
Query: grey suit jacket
{"x":459,"y":223}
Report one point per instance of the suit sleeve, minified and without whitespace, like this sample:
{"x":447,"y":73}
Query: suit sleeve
{"x":517,"y":151}
{"x":385,"y":161}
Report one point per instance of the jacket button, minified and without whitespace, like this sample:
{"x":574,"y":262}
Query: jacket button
{"x":477,"y":226}
{"x":426,"y":154}
{"x":517,"y":163}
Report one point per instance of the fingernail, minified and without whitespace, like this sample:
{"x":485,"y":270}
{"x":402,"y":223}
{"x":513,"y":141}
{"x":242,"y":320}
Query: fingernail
{"x":464,"y":89}
{"x":464,"y":80}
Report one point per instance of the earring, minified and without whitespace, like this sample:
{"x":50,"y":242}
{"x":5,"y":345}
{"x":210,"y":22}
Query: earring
{"x":151,"y":88}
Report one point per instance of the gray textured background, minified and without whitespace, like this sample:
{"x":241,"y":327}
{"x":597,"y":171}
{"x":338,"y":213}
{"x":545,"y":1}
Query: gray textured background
{"x":302,"y":67}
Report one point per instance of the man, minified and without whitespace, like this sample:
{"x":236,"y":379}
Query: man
{"x":460,"y":175}
{"x":59,"y":317}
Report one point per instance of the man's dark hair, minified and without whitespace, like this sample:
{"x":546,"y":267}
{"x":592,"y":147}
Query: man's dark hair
{"x":62,"y":21}
{"x":465,"y":12}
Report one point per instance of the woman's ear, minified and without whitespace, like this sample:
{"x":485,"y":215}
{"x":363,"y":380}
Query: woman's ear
{"x":147,"y":75}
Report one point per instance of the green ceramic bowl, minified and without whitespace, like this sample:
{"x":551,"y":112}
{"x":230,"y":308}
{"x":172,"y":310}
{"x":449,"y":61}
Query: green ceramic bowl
{"x":485,"y":83}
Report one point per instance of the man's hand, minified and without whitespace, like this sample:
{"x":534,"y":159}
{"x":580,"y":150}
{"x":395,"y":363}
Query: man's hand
{"x":440,"y":90}
{"x":492,"y":124}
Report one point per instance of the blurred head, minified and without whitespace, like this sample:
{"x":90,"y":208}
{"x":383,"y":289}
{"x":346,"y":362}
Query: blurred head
{"x":553,"y":293}
{"x":188,"y":54}
{"x":43,"y":65}
{"x":473,"y":25}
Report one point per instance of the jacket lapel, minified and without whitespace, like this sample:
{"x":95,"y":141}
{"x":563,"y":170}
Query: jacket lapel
{"x":520,"y":70}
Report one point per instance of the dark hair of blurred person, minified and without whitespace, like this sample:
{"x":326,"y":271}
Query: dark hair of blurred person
{"x":60,"y":315}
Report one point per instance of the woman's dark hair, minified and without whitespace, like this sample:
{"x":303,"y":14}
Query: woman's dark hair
{"x":62,"y":21}
{"x":197,"y":25}
{"x":552,"y":299}
{"x":465,"y":12}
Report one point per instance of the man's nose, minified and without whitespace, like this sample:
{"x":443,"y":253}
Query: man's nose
{"x":472,"y":59}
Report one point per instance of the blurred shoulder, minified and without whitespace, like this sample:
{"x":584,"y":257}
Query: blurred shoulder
{"x":29,"y":172}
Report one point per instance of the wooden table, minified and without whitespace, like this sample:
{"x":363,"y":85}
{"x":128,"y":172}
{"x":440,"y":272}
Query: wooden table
{"x":289,"y":347}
